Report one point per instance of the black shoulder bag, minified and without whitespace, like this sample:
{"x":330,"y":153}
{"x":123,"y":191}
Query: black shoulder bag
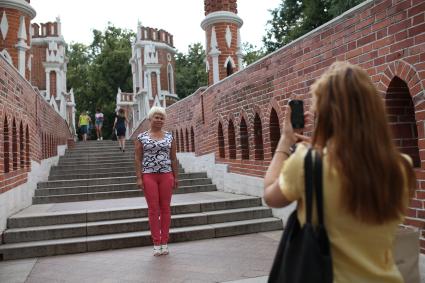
{"x":304,"y":254}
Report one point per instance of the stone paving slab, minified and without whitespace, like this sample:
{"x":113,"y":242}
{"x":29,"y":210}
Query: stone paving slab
{"x":233,"y":259}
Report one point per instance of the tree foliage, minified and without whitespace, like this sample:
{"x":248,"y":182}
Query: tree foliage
{"x":95,"y":72}
{"x":251,"y":53}
{"x":294,"y":18}
{"x":190,"y":70}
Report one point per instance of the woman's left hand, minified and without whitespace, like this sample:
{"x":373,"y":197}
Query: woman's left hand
{"x":288,"y":137}
{"x":176,"y":183}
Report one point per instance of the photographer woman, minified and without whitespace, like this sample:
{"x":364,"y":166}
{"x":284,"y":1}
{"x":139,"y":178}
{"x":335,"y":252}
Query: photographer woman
{"x":366,"y":180}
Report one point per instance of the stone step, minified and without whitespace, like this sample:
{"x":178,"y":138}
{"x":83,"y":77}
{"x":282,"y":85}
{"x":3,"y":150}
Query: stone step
{"x":134,"y":239}
{"x":95,"y":166}
{"x":57,"y":170}
{"x":107,"y":181}
{"x":99,"y":174}
{"x":88,"y":196}
{"x":98,"y":149}
{"x":52,"y":232}
{"x":113,"y":156}
{"x":93,"y":215}
{"x":93,"y":143}
{"x":109,"y":188}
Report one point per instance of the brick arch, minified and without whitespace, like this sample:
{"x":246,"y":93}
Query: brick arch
{"x":231,"y":139}
{"x":274,"y":130}
{"x":6,"y":145}
{"x":192,"y":139}
{"x":27,"y":147}
{"x":408,"y":74}
{"x":177,"y":140}
{"x":273,"y":104}
{"x":181,"y":140}
{"x":243,"y":137}
{"x":258,"y":137}
{"x":21,"y":146}
{"x":187,"y":141}
{"x":220,"y":139}
{"x":401,"y":116}
{"x":14,"y":146}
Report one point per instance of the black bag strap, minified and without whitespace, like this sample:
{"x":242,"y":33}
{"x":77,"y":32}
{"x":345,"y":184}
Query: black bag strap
{"x":318,"y":185}
{"x":313,"y":178}
{"x":308,"y":181}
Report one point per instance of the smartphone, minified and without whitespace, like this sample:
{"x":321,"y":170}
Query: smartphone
{"x":297,"y":113}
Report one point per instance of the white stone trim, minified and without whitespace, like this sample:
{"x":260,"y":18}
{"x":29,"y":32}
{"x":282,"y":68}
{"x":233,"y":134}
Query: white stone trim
{"x":46,"y":40}
{"x":21,"y":5}
{"x":161,"y":45}
{"x":229,"y":59}
{"x":4,"y":25}
{"x":213,"y":40}
{"x":220,"y":17}
{"x":170,"y":83}
{"x":228,"y":37}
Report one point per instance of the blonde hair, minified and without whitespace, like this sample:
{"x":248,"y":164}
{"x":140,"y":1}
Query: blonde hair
{"x":157,"y":110}
{"x":352,"y":123}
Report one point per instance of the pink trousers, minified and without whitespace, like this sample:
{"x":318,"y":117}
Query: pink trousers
{"x":158,"y":188}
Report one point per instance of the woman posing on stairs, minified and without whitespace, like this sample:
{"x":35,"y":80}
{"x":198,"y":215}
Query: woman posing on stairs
{"x":156,"y":171}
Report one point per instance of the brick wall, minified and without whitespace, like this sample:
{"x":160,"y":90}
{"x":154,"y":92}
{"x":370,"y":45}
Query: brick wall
{"x":53,"y":91}
{"x":30,"y":129}
{"x":385,"y":37}
{"x":38,"y":77}
{"x":223,"y":5}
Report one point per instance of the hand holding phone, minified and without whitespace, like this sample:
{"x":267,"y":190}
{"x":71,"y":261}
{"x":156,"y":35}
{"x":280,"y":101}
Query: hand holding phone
{"x":297,"y":113}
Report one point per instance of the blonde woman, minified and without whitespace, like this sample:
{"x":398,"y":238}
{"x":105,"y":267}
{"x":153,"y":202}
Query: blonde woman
{"x":366,"y":181}
{"x":156,"y":171}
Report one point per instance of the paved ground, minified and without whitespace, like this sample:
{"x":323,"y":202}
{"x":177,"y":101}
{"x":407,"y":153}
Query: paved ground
{"x":247,"y":258}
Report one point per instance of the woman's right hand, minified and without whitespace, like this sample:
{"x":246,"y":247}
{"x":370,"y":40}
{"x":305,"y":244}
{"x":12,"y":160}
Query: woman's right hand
{"x":140,"y":183}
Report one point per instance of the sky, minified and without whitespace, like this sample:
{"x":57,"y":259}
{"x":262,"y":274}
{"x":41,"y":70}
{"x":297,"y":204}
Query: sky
{"x":181,"y":18}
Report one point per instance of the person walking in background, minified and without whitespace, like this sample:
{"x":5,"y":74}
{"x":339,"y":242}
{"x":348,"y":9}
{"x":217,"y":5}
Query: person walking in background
{"x":99,"y":124}
{"x":83,"y":123}
{"x":366,"y":180}
{"x":156,"y":171}
{"x":120,"y":125}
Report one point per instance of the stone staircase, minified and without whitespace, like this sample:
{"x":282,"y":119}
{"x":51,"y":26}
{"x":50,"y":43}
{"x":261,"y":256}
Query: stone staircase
{"x":91,"y":203}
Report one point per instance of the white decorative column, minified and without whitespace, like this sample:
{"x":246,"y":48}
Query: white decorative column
{"x":149,"y":83}
{"x":239,"y":52}
{"x":48,"y":84}
{"x":22,"y":46}
{"x":214,"y":53}
{"x":139,"y":67}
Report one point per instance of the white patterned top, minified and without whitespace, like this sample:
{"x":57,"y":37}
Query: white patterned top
{"x":156,"y":153}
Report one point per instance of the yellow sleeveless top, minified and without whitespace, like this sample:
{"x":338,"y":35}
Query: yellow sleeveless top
{"x":360,"y":252}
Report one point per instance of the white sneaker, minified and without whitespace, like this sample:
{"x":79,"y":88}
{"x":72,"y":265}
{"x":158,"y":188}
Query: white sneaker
{"x":101,"y":138}
{"x":157,"y":250}
{"x":98,"y":139}
{"x":164,"y":250}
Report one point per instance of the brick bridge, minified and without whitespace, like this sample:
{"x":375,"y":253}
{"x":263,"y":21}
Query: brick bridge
{"x":229,"y":130}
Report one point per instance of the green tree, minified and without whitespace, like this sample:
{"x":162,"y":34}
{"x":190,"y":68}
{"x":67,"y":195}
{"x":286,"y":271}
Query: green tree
{"x":78,"y":72}
{"x":190,"y":70}
{"x":251,"y":53}
{"x":294,"y":18}
{"x":97,"y":71}
{"x":286,"y":19}
{"x":337,"y":7}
